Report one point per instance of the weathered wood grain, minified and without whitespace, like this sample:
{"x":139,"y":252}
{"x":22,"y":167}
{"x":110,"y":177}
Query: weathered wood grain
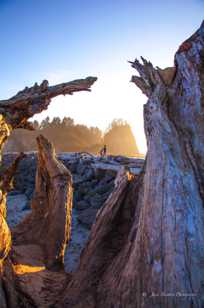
{"x":158,"y":259}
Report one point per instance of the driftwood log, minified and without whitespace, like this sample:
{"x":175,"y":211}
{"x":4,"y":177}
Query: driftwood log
{"x":31,"y":255}
{"x":146,"y":248}
{"x":39,"y":241}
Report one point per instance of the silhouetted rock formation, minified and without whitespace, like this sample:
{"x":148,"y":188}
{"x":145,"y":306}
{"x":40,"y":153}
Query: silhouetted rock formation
{"x":120,"y":139}
{"x":70,"y":137}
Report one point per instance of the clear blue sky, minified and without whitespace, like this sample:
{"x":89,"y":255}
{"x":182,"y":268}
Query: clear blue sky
{"x":61,"y":40}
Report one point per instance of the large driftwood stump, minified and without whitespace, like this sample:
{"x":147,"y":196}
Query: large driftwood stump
{"x":146,"y":248}
{"x":39,"y":241}
{"x":48,"y":226}
{"x":31,"y":256}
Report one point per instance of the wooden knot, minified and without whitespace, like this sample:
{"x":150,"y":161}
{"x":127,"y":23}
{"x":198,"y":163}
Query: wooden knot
{"x":185,"y":46}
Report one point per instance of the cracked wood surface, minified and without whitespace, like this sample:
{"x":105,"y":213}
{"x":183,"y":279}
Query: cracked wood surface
{"x":39,"y":241}
{"x":160,"y":262}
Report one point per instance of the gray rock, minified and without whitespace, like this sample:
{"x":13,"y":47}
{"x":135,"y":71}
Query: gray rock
{"x":77,"y":179}
{"x":81,"y":168}
{"x":29,"y":192}
{"x":83,"y":190}
{"x":87,"y":218}
{"x":16,"y":208}
{"x":14,"y":192}
{"x":79,"y":236}
{"x":105,"y":196}
{"x":100,"y":173}
{"x":82,"y":205}
{"x":107,"y":179}
{"x":72,"y":166}
{"x":94,"y":182}
{"x":104,"y":188}
{"x":77,"y":196}
{"x":96,"y":201}
{"x":89,"y":174}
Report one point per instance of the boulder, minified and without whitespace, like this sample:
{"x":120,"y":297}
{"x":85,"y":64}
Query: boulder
{"x":87,"y":218}
{"x":81,"y":168}
{"x":104,"y":188}
{"x":17,"y":208}
{"x":96,"y":201}
{"x":79,"y":236}
{"x":82,"y":205}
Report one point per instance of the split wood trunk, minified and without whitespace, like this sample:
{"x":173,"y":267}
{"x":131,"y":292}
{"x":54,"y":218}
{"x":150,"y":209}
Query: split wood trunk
{"x":146,"y":248}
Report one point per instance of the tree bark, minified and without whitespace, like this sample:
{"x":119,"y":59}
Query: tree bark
{"x":146,"y":248}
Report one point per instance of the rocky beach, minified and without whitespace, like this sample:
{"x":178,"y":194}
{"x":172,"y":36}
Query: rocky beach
{"x":93,"y":181}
